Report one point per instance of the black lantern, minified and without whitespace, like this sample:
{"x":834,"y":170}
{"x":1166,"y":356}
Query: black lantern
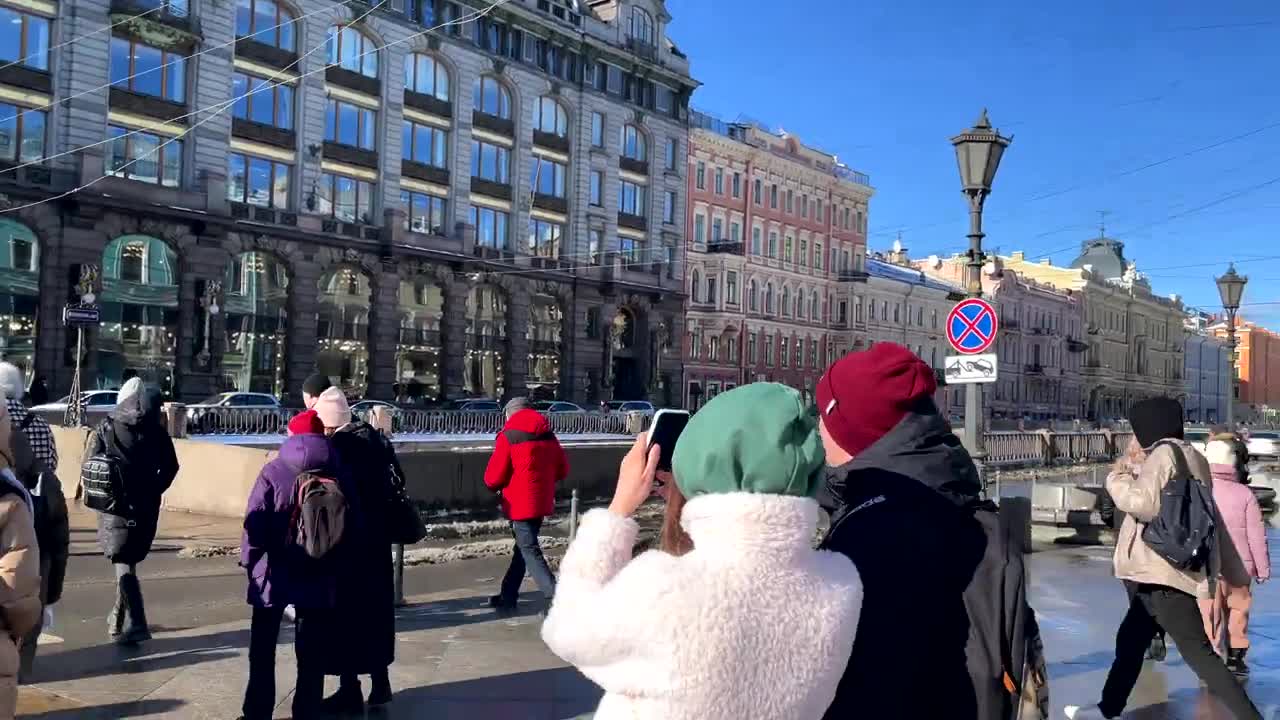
{"x":978,"y":152}
{"x":1231,"y":288}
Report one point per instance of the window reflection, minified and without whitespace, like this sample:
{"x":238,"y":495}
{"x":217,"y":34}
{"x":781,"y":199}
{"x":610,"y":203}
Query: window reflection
{"x":256,"y":297}
{"x":419,"y":348}
{"x":342,"y":328}
{"x":486,"y":341}
{"x":139,"y":325}
{"x":544,"y":332}
{"x":19,"y":290}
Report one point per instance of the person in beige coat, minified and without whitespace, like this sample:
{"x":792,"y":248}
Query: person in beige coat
{"x":1165,"y":596}
{"x":20,"y":606}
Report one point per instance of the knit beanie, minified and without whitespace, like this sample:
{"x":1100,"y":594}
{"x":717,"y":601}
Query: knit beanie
{"x":866,"y":394}
{"x":332,"y":408}
{"x":315,"y":384}
{"x":757,"y":438}
{"x":11,"y":381}
{"x":306,"y":422}
{"x":1156,"y":419}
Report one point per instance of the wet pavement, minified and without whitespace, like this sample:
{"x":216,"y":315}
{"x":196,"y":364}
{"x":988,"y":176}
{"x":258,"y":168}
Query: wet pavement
{"x":457,"y":660}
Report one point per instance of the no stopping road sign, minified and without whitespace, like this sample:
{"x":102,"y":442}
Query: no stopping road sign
{"x":971,"y":326}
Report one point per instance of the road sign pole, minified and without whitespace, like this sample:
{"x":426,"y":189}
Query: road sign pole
{"x":972,"y":327}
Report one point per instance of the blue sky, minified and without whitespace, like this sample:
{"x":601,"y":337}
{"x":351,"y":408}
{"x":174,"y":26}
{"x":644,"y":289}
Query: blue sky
{"x":1093,"y":91}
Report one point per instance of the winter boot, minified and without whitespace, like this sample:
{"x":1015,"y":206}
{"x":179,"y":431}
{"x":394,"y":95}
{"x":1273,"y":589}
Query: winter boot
{"x":135,"y":615}
{"x":349,"y":700}
{"x":1158,"y":650}
{"x":1236,"y":664}
{"x":380,"y":690}
{"x":115,"y":619}
{"x":503,"y":604}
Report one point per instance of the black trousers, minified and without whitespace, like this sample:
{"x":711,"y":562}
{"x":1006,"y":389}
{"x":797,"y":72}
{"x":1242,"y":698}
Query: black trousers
{"x":1155,"y":606}
{"x":309,"y":646}
{"x":264,"y":633}
{"x":1131,"y":588}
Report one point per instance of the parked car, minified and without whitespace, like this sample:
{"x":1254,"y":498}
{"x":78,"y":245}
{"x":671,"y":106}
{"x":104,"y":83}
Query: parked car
{"x":1264,"y":444}
{"x":557,"y":406}
{"x":478,"y":405}
{"x":364,"y":406}
{"x":262,"y":413}
{"x":97,"y":405}
{"x":626,"y":406}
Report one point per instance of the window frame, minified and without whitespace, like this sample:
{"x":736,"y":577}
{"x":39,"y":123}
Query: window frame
{"x":364,"y":116}
{"x":640,"y":198}
{"x":476,"y":214}
{"x":24,"y":57}
{"x":336,"y":43}
{"x":598,"y":123}
{"x":595,"y":188}
{"x":407,"y":197}
{"x":276,"y":166}
{"x":329,"y":181}
{"x":503,"y":97}
{"x":559,"y":176}
{"x":534,"y":247}
{"x":279,"y":29}
{"x":17,"y":115}
{"x":413,"y":79}
{"x":633,"y":140}
{"x":170,"y":63}
{"x":669,"y":207}
{"x":130,"y":137}
{"x":437,"y":134}
{"x":501,"y":167}
{"x":560,"y":117}
{"x":268,"y":88}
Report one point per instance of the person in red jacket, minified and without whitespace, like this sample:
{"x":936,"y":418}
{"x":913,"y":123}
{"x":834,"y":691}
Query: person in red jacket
{"x":527,"y":463}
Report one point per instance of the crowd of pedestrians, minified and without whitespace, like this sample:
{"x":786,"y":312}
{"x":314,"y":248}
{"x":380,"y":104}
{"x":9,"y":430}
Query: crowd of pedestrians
{"x":912,"y":603}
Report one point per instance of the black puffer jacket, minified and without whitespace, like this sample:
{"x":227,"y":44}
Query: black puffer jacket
{"x":135,"y":433}
{"x":908,"y":512}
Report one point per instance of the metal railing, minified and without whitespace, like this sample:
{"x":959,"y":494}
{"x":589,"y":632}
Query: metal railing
{"x":267,"y":422}
{"x":1043,"y":448}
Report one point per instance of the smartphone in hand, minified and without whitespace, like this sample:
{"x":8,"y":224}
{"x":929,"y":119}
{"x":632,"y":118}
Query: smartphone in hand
{"x":665,"y":431}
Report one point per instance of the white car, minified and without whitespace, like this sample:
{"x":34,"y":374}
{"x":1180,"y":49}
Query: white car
{"x":629,"y":406}
{"x":97,"y":404}
{"x":1264,"y":443}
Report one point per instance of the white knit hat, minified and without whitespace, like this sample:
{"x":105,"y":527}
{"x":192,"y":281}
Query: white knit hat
{"x":11,"y":383}
{"x":1220,"y":452}
{"x":332,"y":408}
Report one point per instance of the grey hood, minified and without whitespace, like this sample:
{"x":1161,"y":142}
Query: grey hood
{"x":137,"y":403}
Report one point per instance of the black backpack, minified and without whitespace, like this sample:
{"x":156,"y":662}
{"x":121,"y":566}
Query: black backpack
{"x":1183,"y":532}
{"x":102,"y":478}
{"x":319,"y":517}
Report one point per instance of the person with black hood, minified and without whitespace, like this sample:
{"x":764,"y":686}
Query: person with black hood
{"x":366,"y":599}
{"x":905,"y":506}
{"x":135,"y":435}
{"x":1164,"y":596}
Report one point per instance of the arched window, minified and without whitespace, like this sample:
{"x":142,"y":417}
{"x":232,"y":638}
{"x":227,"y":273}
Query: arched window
{"x":256,"y":300}
{"x":350,"y":49}
{"x":786,"y":301}
{"x":813,"y":306}
{"x":486,"y":342}
{"x":419,"y":350}
{"x":753,"y":296}
{"x":768,"y":298}
{"x":642,"y":28}
{"x":634,"y":145}
{"x":491,"y":97}
{"x":697,"y":285}
{"x":800,"y":304}
{"x":267,"y":22}
{"x":342,"y":328}
{"x":425,"y":75}
{"x":139,"y":325}
{"x":20,"y":278}
{"x":551,"y":118}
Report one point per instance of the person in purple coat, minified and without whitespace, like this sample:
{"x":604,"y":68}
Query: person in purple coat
{"x":279,"y":572}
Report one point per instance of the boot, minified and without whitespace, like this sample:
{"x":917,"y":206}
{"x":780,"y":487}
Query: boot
{"x":115,"y":619}
{"x":349,"y":700}
{"x":1235,"y":662}
{"x":1157,"y":651}
{"x":135,"y":615}
{"x":380,"y":688}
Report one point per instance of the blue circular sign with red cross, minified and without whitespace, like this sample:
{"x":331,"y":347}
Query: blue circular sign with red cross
{"x":971,"y":326}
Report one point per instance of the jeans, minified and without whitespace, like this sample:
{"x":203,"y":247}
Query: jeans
{"x":1155,"y":606}
{"x":527,"y":554}
{"x":264,"y":633}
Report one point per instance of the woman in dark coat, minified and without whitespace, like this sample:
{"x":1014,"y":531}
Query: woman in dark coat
{"x":366,"y":600}
{"x":135,"y":434}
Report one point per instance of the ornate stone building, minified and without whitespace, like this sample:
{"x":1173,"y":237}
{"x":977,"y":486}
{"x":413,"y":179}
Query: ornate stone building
{"x":422,"y":199}
{"x":777,"y":251}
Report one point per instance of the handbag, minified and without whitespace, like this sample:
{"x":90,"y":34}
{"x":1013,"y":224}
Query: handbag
{"x":404,"y":522}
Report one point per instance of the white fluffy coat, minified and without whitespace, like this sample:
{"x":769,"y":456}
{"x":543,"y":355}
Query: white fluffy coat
{"x":753,"y":624}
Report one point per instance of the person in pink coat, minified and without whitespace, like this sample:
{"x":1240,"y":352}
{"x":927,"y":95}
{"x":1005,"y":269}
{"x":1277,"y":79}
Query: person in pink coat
{"x":1243,"y":543}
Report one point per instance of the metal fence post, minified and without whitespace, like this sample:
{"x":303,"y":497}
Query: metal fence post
{"x":398,"y":550}
{"x":573,"y":515}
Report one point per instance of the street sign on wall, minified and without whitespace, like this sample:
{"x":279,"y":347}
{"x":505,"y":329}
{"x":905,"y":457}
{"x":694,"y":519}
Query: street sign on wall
{"x":972,"y":326}
{"x":964,"y":369}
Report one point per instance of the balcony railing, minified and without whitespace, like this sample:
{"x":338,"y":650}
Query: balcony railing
{"x":852,"y":276}
{"x":727,"y":247}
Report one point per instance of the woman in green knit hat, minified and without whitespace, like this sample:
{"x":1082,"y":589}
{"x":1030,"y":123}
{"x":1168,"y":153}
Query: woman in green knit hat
{"x":752,"y":623}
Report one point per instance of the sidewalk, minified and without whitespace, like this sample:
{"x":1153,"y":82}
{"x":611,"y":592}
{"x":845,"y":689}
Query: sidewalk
{"x":186,"y":532}
{"x":454,"y":659}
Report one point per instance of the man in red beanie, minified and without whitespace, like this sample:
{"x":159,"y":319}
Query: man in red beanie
{"x":905,"y":506}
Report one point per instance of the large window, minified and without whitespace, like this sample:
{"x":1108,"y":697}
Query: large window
{"x":262,"y":101}
{"x":426,"y":75}
{"x":350,"y":49}
{"x":597,"y":129}
{"x":633,"y":143}
{"x":631,"y":198}
{"x":426,"y":144}
{"x":490,"y":162}
{"x":632,"y":251}
{"x":491,"y":227}
{"x":669,"y":207}
{"x":491,"y":97}
{"x":673,"y":146}
{"x":544,"y":238}
{"x":547,"y":177}
{"x":140,"y":157}
{"x":424,"y":213}
{"x":21,"y":133}
{"x":551,"y":118}
{"x":597,"y":188}
{"x":147,"y":70}
{"x":20,"y":297}
{"x":642,"y":28}
{"x":257,"y":181}
{"x":346,"y":198}
{"x":266,"y":22}
{"x":139,"y":304}
{"x":756,"y":241}
{"x":24,"y":39}
{"x":352,"y":125}
{"x":342,"y":327}
{"x":256,"y":297}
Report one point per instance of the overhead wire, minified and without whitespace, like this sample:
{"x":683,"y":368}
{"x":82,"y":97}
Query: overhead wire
{"x":218,"y":108}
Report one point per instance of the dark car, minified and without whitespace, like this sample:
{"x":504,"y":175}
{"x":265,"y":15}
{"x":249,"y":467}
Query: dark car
{"x":236,"y":412}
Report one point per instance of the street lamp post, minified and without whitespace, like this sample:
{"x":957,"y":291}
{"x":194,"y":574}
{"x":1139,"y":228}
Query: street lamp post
{"x":978,"y":153}
{"x":1231,"y":289}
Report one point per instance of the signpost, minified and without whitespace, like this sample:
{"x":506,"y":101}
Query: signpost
{"x":972,"y":326}
{"x":965,"y":369}
{"x":79,"y":316}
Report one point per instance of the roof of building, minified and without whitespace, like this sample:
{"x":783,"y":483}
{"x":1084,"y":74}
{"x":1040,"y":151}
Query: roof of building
{"x":898,"y":273}
{"x":1104,"y":256}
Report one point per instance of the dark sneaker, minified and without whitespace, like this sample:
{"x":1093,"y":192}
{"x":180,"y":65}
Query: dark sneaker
{"x":133,"y":636}
{"x":347,"y":701}
{"x":1236,"y":664}
{"x":1158,"y":650}
{"x":497,"y":602}
{"x":380,"y":696}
